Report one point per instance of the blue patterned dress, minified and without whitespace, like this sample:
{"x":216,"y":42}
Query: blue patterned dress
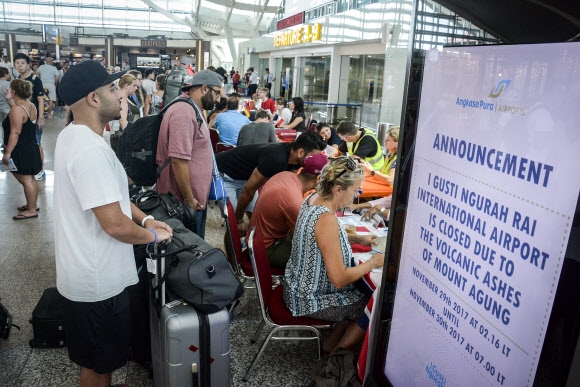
{"x":308,"y":290}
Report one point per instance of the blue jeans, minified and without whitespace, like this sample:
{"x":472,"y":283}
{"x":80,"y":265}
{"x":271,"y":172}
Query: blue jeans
{"x":200,"y":218}
{"x":234,"y":189}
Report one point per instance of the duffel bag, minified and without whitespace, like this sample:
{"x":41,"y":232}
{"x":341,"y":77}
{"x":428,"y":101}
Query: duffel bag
{"x":165,"y":206}
{"x":197,"y":272}
{"x":162,"y":207}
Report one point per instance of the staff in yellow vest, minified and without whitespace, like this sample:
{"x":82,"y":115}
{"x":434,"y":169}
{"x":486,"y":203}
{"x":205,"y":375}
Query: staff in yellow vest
{"x":360,"y":143}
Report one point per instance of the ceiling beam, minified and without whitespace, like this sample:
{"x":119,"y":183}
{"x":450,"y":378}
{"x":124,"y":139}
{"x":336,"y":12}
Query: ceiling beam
{"x":242,"y":6}
{"x":171,"y":16}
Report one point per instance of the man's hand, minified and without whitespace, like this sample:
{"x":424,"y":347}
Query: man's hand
{"x":193,"y":203}
{"x":155,"y":224}
{"x":163,"y":234}
{"x":242,"y":227}
{"x":7,"y":93}
{"x":40,"y":122}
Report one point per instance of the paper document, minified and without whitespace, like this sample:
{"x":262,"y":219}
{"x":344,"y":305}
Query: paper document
{"x":8,"y":168}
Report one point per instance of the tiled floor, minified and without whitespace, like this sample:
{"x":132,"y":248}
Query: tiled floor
{"x":27,"y":268}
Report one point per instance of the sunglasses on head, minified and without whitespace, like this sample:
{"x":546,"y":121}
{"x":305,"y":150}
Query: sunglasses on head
{"x":350,"y":166}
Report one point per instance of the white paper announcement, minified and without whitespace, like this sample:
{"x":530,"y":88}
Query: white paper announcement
{"x":494,"y":187}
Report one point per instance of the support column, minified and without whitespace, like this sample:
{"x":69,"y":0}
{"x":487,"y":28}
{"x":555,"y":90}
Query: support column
{"x":11,"y":44}
{"x":202,"y":54}
{"x":109,"y":52}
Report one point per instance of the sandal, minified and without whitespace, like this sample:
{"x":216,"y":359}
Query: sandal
{"x":24,"y":208}
{"x":22,"y":217}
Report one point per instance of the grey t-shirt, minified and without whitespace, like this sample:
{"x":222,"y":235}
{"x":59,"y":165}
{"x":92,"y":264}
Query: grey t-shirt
{"x":257,"y":133}
{"x":48,"y":73}
{"x":4,"y":106}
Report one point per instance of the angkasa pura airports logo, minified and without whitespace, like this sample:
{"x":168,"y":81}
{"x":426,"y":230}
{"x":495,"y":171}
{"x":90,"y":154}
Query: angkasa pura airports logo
{"x":492,"y":106}
{"x":435,"y":375}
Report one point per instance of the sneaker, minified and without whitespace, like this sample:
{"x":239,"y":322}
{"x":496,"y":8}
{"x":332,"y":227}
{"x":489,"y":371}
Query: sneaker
{"x":40,"y":175}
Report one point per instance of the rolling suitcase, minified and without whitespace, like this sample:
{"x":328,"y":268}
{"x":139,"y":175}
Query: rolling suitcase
{"x":48,"y":320}
{"x":188,"y":347}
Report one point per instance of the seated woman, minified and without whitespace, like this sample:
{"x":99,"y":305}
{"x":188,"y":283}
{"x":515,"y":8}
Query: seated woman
{"x":219,"y":107}
{"x":282,"y":111}
{"x":322,"y":254}
{"x":298,"y":120}
{"x":330,"y":136}
{"x":387,"y":173}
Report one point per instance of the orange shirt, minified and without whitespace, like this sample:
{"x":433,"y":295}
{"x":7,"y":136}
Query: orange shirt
{"x":278,"y":205}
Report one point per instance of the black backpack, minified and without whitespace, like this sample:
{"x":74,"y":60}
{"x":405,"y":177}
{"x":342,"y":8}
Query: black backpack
{"x":137,"y":146}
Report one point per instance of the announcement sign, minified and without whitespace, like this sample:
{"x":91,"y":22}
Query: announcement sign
{"x":494,"y":187}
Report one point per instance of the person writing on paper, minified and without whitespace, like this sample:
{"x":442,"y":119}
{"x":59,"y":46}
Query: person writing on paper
{"x":324,"y":257}
{"x":386,"y":174}
{"x":21,"y":146}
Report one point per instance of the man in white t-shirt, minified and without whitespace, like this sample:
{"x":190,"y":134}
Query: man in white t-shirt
{"x":95,"y":227}
{"x":7,"y":64}
{"x":49,"y":77}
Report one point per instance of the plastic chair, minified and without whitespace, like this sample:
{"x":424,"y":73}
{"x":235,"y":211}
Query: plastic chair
{"x":223,"y":147}
{"x":243,"y":265}
{"x":308,"y":122}
{"x":275,"y":313}
{"x":214,"y":137}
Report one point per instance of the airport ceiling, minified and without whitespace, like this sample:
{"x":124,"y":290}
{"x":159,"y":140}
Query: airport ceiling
{"x":522,"y":21}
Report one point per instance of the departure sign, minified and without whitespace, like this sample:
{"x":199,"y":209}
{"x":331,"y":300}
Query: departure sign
{"x":300,"y":35}
{"x":494,"y":187}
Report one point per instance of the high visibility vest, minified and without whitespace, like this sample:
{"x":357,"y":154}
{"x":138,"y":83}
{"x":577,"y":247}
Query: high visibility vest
{"x":377,"y":160}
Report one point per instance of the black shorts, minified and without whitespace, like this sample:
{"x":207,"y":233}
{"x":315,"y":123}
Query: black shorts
{"x":98,"y":333}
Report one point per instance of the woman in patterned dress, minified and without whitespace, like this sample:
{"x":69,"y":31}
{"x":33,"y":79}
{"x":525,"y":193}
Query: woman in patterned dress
{"x":319,"y":274}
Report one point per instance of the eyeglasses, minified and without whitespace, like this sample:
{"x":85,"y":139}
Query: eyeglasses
{"x":350,"y":166}
{"x":217,"y":92}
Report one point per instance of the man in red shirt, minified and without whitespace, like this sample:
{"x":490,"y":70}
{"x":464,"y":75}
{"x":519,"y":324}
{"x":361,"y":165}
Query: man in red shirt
{"x":188,"y":147}
{"x":267,"y":103}
{"x":278,"y":206}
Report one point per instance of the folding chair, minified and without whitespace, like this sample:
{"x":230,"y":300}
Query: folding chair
{"x":223,"y":147}
{"x":214,"y":137}
{"x":275,"y":313}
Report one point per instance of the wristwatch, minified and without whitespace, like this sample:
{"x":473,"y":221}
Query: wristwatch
{"x":382,"y":210}
{"x":372,"y":173}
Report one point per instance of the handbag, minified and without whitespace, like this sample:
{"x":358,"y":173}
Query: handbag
{"x":217,"y":190}
{"x":197,"y":272}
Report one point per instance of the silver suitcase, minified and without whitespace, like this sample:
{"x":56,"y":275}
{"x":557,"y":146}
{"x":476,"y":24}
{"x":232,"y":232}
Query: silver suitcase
{"x":181,"y":336}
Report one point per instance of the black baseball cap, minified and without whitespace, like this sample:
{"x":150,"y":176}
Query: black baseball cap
{"x":84,"y":78}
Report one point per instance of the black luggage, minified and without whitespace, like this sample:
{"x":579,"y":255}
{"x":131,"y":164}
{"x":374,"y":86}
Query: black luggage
{"x":6,"y":323}
{"x":48,"y":320}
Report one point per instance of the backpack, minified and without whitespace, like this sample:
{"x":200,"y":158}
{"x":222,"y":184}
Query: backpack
{"x":174,"y":81}
{"x":335,"y":370}
{"x":137,"y":146}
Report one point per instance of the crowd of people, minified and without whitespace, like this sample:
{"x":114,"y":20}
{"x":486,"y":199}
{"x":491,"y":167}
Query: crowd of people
{"x":93,"y":212}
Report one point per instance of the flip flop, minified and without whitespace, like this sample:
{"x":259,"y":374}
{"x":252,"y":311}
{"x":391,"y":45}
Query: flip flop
{"x":22,"y":217}
{"x":24,"y":208}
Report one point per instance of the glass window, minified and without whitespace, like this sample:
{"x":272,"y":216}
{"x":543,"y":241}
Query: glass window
{"x":364,"y":86}
{"x":315,"y":77}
